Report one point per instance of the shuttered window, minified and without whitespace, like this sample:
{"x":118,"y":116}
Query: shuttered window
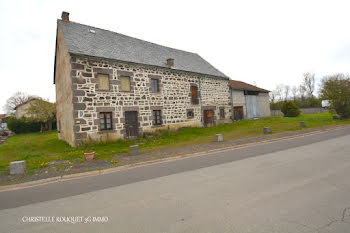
{"x":103,"y":81}
{"x":194,"y":95}
{"x":125,"y":83}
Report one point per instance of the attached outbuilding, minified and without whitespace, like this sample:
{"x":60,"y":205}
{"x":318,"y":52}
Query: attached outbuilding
{"x":248,"y":101}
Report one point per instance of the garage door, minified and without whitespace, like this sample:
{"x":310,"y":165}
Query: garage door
{"x":252,"y":106}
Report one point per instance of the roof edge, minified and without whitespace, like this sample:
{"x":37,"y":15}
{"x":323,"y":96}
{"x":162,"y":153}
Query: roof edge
{"x":243,"y":89}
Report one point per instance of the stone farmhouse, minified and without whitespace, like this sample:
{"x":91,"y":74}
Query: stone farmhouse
{"x":248,"y":101}
{"x":21,"y":109}
{"x":111,"y":86}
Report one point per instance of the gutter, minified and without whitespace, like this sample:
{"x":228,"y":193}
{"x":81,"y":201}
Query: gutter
{"x":200,"y":100}
{"x":231,"y":99}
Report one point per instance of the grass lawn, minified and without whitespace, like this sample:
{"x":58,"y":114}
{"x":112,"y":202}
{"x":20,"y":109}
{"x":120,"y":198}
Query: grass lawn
{"x":39,"y":148}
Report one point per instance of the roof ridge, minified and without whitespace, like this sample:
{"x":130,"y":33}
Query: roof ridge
{"x":114,"y":45}
{"x":129,"y":36}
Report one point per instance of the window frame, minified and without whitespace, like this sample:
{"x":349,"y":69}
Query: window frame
{"x":105,"y":120}
{"x":121,"y":85}
{"x":99,"y":84}
{"x":222,"y":113}
{"x":157,"y":119}
{"x":191,"y":112}
{"x":157,"y":87}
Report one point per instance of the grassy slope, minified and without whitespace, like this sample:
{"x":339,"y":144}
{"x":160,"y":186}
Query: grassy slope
{"x":38,"y":149}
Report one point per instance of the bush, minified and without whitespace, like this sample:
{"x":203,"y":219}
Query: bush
{"x":289,"y":109}
{"x":23,"y":125}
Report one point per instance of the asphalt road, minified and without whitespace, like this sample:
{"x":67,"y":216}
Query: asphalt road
{"x":294,"y":185}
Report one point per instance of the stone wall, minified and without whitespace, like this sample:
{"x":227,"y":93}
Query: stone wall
{"x":174,"y":98}
{"x":303,"y":111}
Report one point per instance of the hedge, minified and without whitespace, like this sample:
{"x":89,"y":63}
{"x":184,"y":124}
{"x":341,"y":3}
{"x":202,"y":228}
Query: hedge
{"x":23,"y":125}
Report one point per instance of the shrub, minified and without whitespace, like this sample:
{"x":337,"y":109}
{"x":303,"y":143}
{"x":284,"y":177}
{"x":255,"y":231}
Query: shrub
{"x":289,"y":109}
{"x":23,"y":125}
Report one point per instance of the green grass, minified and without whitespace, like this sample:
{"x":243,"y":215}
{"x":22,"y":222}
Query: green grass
{"x":39,"y":148}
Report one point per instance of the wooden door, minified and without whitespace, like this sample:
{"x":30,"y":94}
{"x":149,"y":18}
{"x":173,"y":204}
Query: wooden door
{"x":208,"y":117}
{"x":238,"y":113}
{"x":131,"y":124}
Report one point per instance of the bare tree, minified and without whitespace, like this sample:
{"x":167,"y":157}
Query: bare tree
{"x":301,"y":92}
{"x":295,"y":92}
{"x":286,"y":92}
{"x":273,"y":96}
{"x":279,"y":91}
{"x":14,"y":100}
{"x":309,"y":84}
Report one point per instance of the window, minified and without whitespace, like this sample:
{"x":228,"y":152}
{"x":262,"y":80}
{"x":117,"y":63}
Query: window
{"x":194,"y":95}
{"x":190,"y":114}
{"x":154,"y":85}
{"x":103,"y":81}
{"x":125,"y":83}
{"x":157,"y":117}
{"x":222,"y":113}
{"x":105,"y":120}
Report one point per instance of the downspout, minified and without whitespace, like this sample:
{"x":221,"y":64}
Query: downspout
{"x":231,"y":99}
{"x":200,"y":100}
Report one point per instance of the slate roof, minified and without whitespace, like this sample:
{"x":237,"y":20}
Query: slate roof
{"x":25,"y":102}
{"x":239,"y":85}
{"x":112,"y":45}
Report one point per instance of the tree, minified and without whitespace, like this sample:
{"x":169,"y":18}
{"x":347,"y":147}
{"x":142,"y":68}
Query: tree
{"x":286,"y":92}
{"x":273,"y":96}
{"x":295,"y":92}
{"x":302,"y":92}
{"x":43,"y":111}
{"x":309,"y":84}
{"x":279,"y":91}
{"x":14,"y":100}
{"x":336,"y":89}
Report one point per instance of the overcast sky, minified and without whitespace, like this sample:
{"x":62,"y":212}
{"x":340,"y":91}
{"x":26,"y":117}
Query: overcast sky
{"x":262,"y":42}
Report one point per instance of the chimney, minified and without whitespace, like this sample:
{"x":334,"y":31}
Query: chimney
{"x":65,"y":17}
{"x":170,"y":62}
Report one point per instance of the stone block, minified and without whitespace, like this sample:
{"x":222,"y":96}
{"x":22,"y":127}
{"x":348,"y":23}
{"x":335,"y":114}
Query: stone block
{"x":302,"y":124}
{"x":17,"y":167}
{"x":77,"y":66}
{"x":134,"y":150}
{"x":218,"y":138}
{"x":267,"y":130}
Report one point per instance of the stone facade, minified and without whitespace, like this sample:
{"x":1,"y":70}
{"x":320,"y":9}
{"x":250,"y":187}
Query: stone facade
{"x":173,"y":99}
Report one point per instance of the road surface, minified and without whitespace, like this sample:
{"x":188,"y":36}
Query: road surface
{"x":294,"y":185}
